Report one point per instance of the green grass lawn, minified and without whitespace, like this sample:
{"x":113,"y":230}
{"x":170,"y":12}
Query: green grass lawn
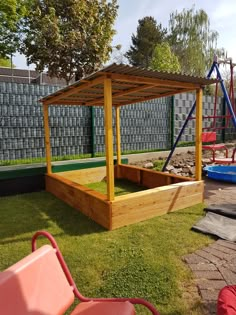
{"x":141,"y":260}
{"x":122,"y":187}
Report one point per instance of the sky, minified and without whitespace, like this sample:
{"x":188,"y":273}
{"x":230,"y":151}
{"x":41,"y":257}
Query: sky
{"x":222,"y":15}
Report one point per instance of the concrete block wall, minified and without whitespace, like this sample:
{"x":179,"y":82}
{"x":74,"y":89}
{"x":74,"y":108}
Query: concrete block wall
{"x":143,"y":126}
{"x":182,"y":106}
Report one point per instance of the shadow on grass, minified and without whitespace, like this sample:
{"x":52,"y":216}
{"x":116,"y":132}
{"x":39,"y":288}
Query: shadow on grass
{"x":28,"y":213}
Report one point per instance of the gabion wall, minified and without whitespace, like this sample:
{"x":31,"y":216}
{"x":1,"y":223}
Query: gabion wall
{"x":182,"y":106}
{"x":143,"y":126}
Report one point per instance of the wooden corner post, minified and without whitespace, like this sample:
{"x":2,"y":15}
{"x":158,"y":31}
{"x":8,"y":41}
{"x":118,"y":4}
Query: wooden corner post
{"x":47,"y":138}
{"x":198,"y":131}
{"x":109,"y":138}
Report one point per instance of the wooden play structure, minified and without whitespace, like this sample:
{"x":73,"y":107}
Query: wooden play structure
{"x":116,"y":86}
{"x":41,"y":284}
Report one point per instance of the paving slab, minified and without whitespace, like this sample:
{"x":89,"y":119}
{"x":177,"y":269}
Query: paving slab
{"x":214,"y":266}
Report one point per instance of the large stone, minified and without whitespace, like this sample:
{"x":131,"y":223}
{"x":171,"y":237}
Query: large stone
{"x":148,"y":165}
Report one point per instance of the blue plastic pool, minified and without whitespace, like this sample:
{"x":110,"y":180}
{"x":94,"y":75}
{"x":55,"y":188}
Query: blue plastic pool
{"x":222,"y":172}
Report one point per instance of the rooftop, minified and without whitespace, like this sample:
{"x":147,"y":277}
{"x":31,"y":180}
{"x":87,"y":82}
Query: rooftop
{"x":129,"y":85}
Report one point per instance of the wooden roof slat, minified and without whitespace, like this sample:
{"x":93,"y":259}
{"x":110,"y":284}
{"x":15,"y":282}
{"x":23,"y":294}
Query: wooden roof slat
{"x":130,"y":83}
{"x":70,"y":90}
{"x":125,"y":92}
{"x":151,"y":81}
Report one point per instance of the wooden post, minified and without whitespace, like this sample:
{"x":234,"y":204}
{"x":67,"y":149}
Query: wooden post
{"x":198,"y":132}
{"x":118,"y":150}
{"x":109,"y":138}
{"x":47,"y":138}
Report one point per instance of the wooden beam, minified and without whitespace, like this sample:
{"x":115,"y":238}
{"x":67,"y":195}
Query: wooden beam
{"x":151,"y":81}
{"x":47,"y":138}
{"x":73,"y":89}
{"x":118,"y":149}
{"x":146,"y":98}
{"x":198,"y":131}
{"x":76,"y":103}
{"x":109,"y":138}
{"x":124,"y":92}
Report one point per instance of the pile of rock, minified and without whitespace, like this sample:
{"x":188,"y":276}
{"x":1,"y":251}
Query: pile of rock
{"x":182,"y":164}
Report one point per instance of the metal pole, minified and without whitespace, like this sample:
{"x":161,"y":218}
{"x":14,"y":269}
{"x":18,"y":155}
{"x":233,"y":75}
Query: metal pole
{"x":226,"y":95}
{"x":185,"y":123}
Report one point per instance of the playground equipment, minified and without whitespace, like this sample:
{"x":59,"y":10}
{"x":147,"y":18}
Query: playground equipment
{"x":211,"y":137}
{"x":119,"y":85}
{"x":229,"y":160}
{"x":222,"y":172}
{"x":41,"y":284}
{"x":231,"y":109}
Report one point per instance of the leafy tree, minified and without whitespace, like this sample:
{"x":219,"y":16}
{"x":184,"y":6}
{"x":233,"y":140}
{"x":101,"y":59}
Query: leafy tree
{"x":69,"y":37}
{"x":11,"y":15}
{"x":149,"y":34}
{"x":4,"y":62}
{"x":164,"y":60}
{"x":192,"y":40}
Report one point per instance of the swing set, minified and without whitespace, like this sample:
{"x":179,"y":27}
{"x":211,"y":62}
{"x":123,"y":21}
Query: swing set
{"x":209,"y":133}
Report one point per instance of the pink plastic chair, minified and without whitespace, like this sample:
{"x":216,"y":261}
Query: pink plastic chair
{"x":41,"y":284}
{"x":211,"y":137}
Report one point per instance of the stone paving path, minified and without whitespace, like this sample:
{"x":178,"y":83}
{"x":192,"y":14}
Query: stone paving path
{"x":214,"y":266}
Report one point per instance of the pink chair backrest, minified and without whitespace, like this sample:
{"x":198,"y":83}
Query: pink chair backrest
{"x":209,"y":136}
{"x":35,"y":285}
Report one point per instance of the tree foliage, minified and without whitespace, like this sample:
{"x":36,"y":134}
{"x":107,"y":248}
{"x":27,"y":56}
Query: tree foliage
{"x":164,"y":60}
{"x":4,"y":62}
{"x":192,"y":40}
{"x":69,"y":37}
{"x":149,"y":34}
{"x":11,"y":15}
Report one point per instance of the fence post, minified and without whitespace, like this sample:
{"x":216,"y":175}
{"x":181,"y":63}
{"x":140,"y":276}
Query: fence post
{"x":172,"y":121}
{"x":92,"y":132}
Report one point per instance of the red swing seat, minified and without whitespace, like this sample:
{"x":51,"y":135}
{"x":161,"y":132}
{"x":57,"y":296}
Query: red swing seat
{"x":211,"y":137}
{"x":41,"y":284}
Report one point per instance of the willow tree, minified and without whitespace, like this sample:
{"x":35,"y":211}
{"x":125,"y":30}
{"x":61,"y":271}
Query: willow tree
{"x":149,"y":34}
{"x":69,"y":37}
{"x":192,"y":40}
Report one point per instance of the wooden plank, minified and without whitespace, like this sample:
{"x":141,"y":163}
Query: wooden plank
{"x":89,"y":202}
{"x":118,"y":149}
{"x":131,"y":173}
{"x":53,"y":100}
{"x":123,"y":93}
{"x":198,"y":145}
{"x":47,"y":138}
{"x":149,"y":178}
{"x":109,"y":138}
{"x":85,"y":176}
{"x":144,"y":205}
{"x":152,"y":81}
{"x":178,"y":91}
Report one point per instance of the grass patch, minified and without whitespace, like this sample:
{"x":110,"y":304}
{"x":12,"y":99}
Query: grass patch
{"x":122,"y":187}
{"x":158,"y":165}
{"x":141,"y":260}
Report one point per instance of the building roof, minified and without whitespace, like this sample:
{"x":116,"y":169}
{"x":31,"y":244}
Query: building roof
{"x":28,"y":77}
{"x":129,"y":85}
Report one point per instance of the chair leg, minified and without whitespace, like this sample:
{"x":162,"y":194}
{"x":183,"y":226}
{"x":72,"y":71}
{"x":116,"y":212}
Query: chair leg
{"x":226,"y":152}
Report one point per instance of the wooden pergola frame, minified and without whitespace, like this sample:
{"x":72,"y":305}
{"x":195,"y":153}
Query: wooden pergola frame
{"x":118,"y":86}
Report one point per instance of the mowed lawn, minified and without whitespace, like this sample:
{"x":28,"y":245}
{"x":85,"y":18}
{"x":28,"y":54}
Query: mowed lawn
{"x":141,"y":260}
